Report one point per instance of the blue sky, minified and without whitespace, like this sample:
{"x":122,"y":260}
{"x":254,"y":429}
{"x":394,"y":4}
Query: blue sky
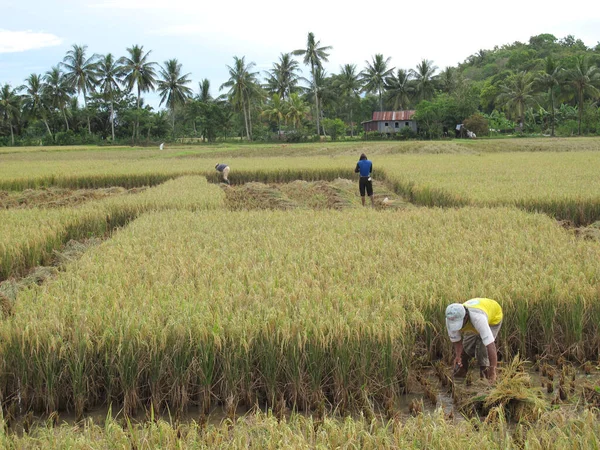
{"x":205,"y":35}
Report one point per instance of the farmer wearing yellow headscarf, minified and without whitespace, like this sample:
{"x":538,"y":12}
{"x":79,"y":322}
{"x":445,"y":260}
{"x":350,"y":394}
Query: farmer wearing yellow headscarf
{"x":473,"y":327}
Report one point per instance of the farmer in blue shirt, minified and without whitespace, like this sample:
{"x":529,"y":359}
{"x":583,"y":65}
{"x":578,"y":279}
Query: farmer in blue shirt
{"x":364,"y":167}
{"x":224,"y":169}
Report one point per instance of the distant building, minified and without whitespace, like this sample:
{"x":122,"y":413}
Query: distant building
{"x":390,"y":121}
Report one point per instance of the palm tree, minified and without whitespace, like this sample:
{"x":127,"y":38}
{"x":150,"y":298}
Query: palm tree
{"x":297,"y":110}
{"x":349,"y":85}
{"x":36,"y":100}
{"x":109,"y":77}
{"x":585,"y":79}
{"x":375,"y":74}
{"x":138,"y":72}
{"x":321,"y":87}
{"x":276,"y":110}
{"x":243,"y":87}
{"x":58,"y":91}
{"x":517,"y":94}
{"x":549,"y":80}
{"x":10,"y":103}
{"x":314,"y":54}
{"x":283,"y":77}
{"x":399,"y":89}
{"x":172,"y":87}
{"x":204,"y":92}
{"x":424,"y":79}
{"x":81,"y":73}
{"x":447,"y":80}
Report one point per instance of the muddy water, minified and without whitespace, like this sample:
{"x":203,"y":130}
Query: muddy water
{"x":403,"y":408}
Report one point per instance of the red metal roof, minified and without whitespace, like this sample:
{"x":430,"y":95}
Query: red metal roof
{"x":393,"y":115}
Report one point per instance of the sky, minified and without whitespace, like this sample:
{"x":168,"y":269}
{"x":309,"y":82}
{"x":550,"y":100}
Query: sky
{"x":205,"y":35}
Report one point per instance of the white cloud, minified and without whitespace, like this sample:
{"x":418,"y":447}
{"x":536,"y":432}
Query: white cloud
{"x":20,"y":41}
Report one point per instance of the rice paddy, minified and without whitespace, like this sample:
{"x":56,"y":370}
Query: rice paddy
{"x":282,"y":299}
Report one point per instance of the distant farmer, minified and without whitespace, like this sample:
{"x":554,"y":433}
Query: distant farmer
{"x":161,"y":146}
{"x":473,"y":327}
{"x":224,"y":169}
{"x":364,"y":167}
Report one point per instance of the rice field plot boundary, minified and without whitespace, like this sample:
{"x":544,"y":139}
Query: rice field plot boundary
{"x":30,"y":237}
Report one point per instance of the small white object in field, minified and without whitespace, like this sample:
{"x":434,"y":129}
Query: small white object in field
{"x":385,"y":200}
{"x":161,"y":146}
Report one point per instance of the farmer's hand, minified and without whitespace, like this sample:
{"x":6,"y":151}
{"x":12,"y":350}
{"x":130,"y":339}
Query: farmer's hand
{"x":491,"y":374}
{"x":458,"y":361}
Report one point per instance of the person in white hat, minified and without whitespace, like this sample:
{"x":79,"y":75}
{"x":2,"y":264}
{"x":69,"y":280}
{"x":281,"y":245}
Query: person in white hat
{"x":473,"y":327}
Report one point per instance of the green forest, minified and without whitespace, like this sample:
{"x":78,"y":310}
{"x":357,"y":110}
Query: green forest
{"x":546,"y":86}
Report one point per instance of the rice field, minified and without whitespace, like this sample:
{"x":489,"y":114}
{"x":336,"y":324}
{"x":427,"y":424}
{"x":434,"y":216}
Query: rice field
{"x":281,"y":297}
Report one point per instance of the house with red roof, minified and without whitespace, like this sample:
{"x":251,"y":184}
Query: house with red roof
{"x":389,"y":122}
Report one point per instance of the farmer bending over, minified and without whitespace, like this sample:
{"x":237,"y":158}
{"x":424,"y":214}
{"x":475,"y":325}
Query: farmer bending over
{"x":365,"y":167}
{"x":224,"y":168}
{"x":473,"y":327}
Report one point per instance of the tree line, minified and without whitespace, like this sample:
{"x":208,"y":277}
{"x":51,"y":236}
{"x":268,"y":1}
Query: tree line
{"x":543,"y":86}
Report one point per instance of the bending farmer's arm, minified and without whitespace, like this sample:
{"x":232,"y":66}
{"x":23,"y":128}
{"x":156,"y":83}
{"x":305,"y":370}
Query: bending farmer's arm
{"x":493,"y":356}
{"x":456,"y":339}
{"x":480,"y":323}
{"x":357,"y":168}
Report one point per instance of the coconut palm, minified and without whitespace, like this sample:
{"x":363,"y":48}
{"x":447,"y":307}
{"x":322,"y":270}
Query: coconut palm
{"x":516,"y":94}
{"x":585,"y":79}
{"x":243,"y":88}
{"x":322,"y":87}
{"x":81,"y":74}
{"x":314,"y":55}
{"x":58,"y":91}
{"x":297,"y":110}
{"x":447,"y":80}
{"x":109,"y":76}
{"x":375,"y":74}
{"x":204,"y":91}
{"x":283,"y":77}
{"x":399,"y":89}
{"x":10,"y":106}
{"x":349,"y":85}
{"x":140,"y":73}
{"x":172,"y":87}
{"x":549,"y":80}
{"x":276,"y":110}
{"x":35,"y":99}
{"x":424,"y":80}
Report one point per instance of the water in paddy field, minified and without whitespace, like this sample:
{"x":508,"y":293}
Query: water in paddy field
{"x":427,"y":395}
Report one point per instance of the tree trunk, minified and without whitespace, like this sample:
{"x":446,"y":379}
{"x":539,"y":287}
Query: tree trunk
{"x":552,"y":116}
{"x":12,"y":136}
{"x":112,"y":120}
{"x":87,"y":113}
{"x":316,"y":101}
{"x":173,"y":120}
{"x":246,"y":120}
{"x":580,"y":111}
{"x":250,"y":121}
{"x":65,"y":116}
{"x":136,"y":125}
{"x":351,"y":124}
{"x":47,"y":127}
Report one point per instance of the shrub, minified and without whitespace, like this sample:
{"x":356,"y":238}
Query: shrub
{"x":477,"y":124}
